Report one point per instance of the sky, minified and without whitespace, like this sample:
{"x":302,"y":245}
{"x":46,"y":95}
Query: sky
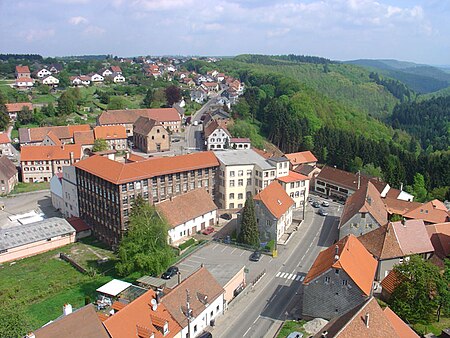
{"x":409,"y":30}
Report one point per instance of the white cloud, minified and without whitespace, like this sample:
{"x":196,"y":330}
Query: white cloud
{"x":37,"y":34}
{"x":76,"y":20}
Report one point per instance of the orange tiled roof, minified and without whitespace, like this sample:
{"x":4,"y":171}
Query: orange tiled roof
{"x":127,"y":172}
{"x":213,"y":125}
{"x":24,"y":79}
{"x":293,"y":177}
{"x":83,"y":137}
{"x":301,"y":157}
{"x":365,"y":200}
{"x":391,"y":281}
{"x":110,"y":132}
{"x":52,"y":136}
{"x":17,"y":107}
{"x":186,"y":207}
{"x":22,"y":69}
{"x":116,"y":69}
{"x":38,"y":134}
{"x":432,"y":212}
{"x":440,"y":238}
{"x":399,"y":207}
{"x":139,"y":315}
{"x":400,"y":327}
{"x":275,"y":199}
{"x":4,"y":138}
{"x":354,"y":259}
{"x":46,"y":153}
{"x":129,"y":116}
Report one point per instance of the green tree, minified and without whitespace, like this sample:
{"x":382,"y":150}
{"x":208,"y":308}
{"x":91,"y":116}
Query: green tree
{"x":100,"y":145}
{"x":242,"y":109}
{"x":43,"y":89}
{"x":148,"y":99}
{"x":144,"y":248}
{"x":25,"y":115}
{"x":419,"y":190}
{"x":64,"y":80}
{"x":117,"y":102}
{"x":371,"y":170}
{"x":173,"y":95}
{"x":67,"y":103}
{"x":421,"y":292}
{"x":49,"y":110}
{"x":249,"y":233}
{"x":357,"y":164}
{"x":14,"y":322}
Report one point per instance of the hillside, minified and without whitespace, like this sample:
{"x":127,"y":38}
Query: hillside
{"x":420,"y":78}
{"x":347,"y":84}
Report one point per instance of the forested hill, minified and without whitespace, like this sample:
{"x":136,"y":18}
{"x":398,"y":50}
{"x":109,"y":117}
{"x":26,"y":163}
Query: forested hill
{"x":350,"y":85}
{"x":420,"y":78}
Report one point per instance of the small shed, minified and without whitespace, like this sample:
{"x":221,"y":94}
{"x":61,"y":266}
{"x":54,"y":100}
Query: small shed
{"x":113,"y":288}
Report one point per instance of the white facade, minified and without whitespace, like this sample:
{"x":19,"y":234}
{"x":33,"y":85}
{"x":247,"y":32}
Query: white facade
{"x":297,"y":190}
{"x":50,"y":80}
{"x":202,"y":321}
{"x":118,"y":78}
{"x":189,"y":228}
{"x":106,"y":72}
{"x":56,"y":193}
{"x":43,"y":73}
{"x":24,"y":82}
{"x":219,"y":139}
{"x":69,"y":192}
{"x":97,"y":78}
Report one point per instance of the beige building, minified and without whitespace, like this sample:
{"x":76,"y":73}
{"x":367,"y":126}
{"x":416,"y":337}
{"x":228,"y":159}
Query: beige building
{"x":150,"y":136}
{"x":296,"y":186}
{"x":8,"y":175}
{"x":115,"y":136}
{"x":41,"y":163}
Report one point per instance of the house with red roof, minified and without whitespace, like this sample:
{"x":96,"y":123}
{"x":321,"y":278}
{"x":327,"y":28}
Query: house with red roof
{"x":273,"y":209}
{"x":303,"y":157}
{"x":5,"y":145}
{"x":440,"y":239}
{"x":296,"y":186}
{"x":367,"y":320}
{"x":395,"y":242}
{"x":9,"y":176}
{"x":432,"y":212}
{"x":216,"y":135}
{"x":24,"y":82}
{"x":115,"y":136}
{"x":240,"y":143}
{"x":340,"y":279}
{"x":22,"y":71}
{"x":14,"y":108}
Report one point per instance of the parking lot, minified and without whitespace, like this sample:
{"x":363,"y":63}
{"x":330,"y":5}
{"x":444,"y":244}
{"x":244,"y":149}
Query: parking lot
{"x":213,"y":254}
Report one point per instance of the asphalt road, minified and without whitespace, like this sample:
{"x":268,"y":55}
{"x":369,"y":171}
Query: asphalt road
{"x":278,"y":295}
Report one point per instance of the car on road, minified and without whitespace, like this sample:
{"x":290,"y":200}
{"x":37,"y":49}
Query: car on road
{"x":255,"y":256}
{"x":226,"y":216}
{"x":208,"y":231}
{"x":172,"y":271}
{"x":322,"y":212}
{"x":195,"y":123}
{"x":325,"y":204}
{"x":315,"y":204}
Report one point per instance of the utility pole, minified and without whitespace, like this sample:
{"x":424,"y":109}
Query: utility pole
{"x":188,"y":314}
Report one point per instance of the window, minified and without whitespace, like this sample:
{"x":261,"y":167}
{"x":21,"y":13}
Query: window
{"x":363,"y":215}
{"x":336,"y":271}
{"x":232,"y":173}
{"x":327,"y":280}
{"x":231,"y":196}
{"x":249,"y":181}
{"x":240,"y":205}
{"x":240,"y":182}
{"x":231,"y":205}
{"x":240,"y":196}
{"x":344,"y":282}
{"x":130,"y":186}
{"x":241,"y":173}
{"x":195,"y":328}
{"x":217,"y":308}
{"x":292,"y":185}
{"x":231,"y":183}
{"x":249,"y":172}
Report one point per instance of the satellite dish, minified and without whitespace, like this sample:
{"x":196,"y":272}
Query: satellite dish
{"x":153,"y":302}
{"x":154,"y":307}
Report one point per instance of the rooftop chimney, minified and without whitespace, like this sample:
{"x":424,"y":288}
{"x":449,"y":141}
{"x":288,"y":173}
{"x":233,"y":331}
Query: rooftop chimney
{"x":366,"y":319}
{"x":403,"y":222}
{"x":401,"y":186}
{"x":336,"y":253}
{"x":324,"y":334}
{"x":72,"y":161}
{"x":67,"y":309}
{"x":359,"y":179}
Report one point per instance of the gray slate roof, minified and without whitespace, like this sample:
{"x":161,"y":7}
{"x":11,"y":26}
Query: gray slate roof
{"x":243,"y":157}
{"x":7,"y":168}
{"x":34,"y":232}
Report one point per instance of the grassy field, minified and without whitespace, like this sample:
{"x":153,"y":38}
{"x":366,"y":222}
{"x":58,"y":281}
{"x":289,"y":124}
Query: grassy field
{"x":40,"y":285}
{"x":47,"y":98}
{"x":28,"y":187}
{"x":436,"y":327}
{"x":292,"y":326}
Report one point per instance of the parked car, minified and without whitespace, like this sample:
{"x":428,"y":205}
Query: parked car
{"x":322,"y":212}
{"x":226,"y":216}
{"x":203,"y":117}
{"x":295,"y":335}
{"x":325,"y":204}
{"x":188,"y":120}
{"x":255,"y":256}
{"x":172,"y":271}
{"x":205,"y":334}
{"x":315,"y":204}
{"x":195,"y":123}
{"x":208,"y":230}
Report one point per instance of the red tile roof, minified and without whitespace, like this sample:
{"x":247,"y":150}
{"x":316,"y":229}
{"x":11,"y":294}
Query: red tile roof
{"x":52,"y":136}
{"x":347,"y":179}
{"x":353,"y":324}
{"x":24,"y":79}
{"x":22,"y":69}
{"x":139,"y":316}
{"x":399,"y":207}
{"x":116,"y":69}
{"x":213,"y":125}
{"x":129,"y":116}
{"x":301,"y":157}
{"x":127,"y":172}
{"x":432,"y":212}
{"x":365,"y":200}
{"x":110,"y":132}
{"x":275,"y":198}
{"x":400,"y":327}
{"x":4,"y":138}
{"x":38,"y":134}
{"x":83,"y":137}
{"x":186,"y":207}
{"x":353,"y":258}
{"x":45,"y":153}
{"x":391,"y":281}
{"x":17,"y":107}
{"x":440,"y":238}
{"x":239,"y":140}
{"x":78,"y":224}
{"x":293,"y":177}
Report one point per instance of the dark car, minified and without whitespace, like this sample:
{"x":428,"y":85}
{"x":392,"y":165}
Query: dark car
{"x":255,"y":256}
{"x":208,"y":230}
{"x":322,"y":212}
{"x":188,"y":120}
{"x":203,"y":117}
{"x":226,"y":216}
{"x":315,"y":204}
{"x":172,"y":271}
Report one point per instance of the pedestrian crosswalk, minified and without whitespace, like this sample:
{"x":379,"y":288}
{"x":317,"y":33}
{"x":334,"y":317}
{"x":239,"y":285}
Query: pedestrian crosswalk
{"x":291,"y":276}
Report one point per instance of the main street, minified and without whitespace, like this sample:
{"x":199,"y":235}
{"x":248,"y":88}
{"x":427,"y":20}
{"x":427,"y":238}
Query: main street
{"x":277,"y":296}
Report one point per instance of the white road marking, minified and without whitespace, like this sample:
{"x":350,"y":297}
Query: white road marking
{"x":192,"y":266}
{"x":243,"y":252}
{"x":298,"y":278}
{"x":215,"y":246}
{"x":290,"y":276}
{"x":256,"y":320}
{"x":301,"y":279}
{"x":247,"y":331}
{"x":284,"y":275}
{"x":293,"y":277}
{"x":224,"y":249}
{"x":233,"y":250}
{"x":278,"y":274}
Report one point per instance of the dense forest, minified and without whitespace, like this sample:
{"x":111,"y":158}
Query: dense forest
{"x":28,"y":57}
{"x":428,"y":121}
{"x":295,"y":116}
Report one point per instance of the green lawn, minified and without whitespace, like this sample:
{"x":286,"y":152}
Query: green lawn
{"x":28,"y":187}
{"x":44,"y":99}
{"x":436,"y":327}
{"x":291,"y":326}
{"x":42,"y":284}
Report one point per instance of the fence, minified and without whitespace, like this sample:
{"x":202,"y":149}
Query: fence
{"x":258,"y":278}
{"x":72,"y":262}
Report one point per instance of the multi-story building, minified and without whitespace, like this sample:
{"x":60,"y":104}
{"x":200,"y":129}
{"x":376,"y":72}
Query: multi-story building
{"x":8,"y":175}
{"x":69,"y":192}
{"x":296,"y":186}
{"x":107,"y":189}
{"x":217,"y":135}
{"x":36,"y":136}
{"x":41,"y":163}
{"x":150,"y":136}
{"x":168,"y":117}
{"x":115,"y":136}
